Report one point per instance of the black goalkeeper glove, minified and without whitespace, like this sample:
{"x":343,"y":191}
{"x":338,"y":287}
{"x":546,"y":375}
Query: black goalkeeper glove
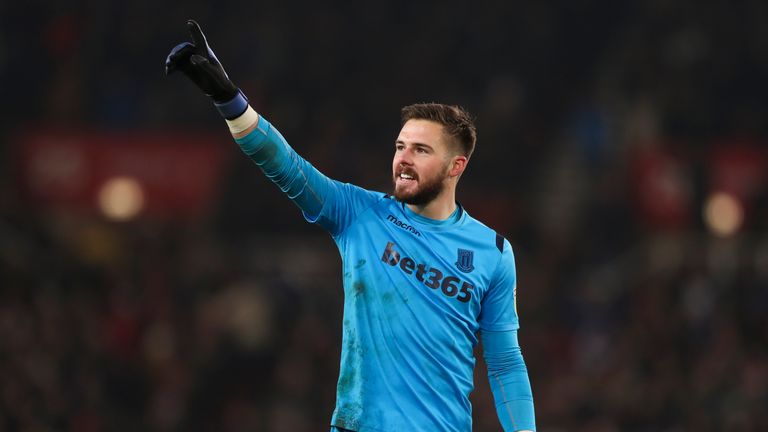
{"x":198,"y":62}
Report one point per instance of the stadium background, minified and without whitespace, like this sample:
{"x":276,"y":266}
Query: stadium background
{"x":152,"y":279}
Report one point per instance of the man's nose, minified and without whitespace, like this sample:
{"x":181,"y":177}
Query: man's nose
{"x":404,"y":157}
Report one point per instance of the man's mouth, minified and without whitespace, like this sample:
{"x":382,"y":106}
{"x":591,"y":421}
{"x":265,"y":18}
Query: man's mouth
{"x":406,"y":177}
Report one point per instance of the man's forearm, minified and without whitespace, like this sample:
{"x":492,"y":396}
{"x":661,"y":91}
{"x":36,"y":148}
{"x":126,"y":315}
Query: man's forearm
{"x":508,"y":377}
{"x":266,"y":147}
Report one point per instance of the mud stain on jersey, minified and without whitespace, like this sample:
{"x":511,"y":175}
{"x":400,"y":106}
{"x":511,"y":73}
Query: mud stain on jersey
{"x":388,"y":297}
{"x":358,"y":288}
{"x":347,"y":379}
{"x":349,"y":375}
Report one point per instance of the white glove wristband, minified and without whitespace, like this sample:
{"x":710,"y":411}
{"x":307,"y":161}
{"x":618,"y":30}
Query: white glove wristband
{"x":242,"y":123}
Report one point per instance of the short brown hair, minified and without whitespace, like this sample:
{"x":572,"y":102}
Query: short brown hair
{"x":456,"y":122}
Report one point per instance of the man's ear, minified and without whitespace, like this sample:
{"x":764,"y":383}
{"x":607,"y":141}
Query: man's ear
{"x":458,"y":165}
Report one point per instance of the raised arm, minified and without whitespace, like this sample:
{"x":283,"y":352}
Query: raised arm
{"x":258,"y":139}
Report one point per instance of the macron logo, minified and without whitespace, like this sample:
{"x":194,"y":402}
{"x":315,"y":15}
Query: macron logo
{"x":405,"y":226}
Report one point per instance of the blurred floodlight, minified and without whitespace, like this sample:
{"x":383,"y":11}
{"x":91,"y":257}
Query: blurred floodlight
{"x":723,"y":214}
{"x":121,"y":198}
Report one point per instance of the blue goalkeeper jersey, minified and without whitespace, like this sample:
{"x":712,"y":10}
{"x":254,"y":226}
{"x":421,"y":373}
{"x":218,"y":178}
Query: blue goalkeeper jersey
{"x":416,"y":292}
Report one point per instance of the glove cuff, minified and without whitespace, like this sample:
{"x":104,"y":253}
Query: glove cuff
{"x":244,"y":122}
{"x":233,"y":108}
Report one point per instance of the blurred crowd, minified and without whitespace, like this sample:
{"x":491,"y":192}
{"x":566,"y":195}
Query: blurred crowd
{"x":622,"y":150}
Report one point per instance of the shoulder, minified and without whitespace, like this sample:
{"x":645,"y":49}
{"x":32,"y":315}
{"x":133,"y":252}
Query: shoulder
{"x":483,"y":232}
{"x":361,"y":194}
{"x":358,"y":200}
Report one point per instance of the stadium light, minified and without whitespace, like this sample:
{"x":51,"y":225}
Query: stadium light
{"x":121,"y":198}
{"x":723,"y":214}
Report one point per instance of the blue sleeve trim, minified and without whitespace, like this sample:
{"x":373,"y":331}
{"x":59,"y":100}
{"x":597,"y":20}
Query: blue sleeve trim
{"x":233,"y":108}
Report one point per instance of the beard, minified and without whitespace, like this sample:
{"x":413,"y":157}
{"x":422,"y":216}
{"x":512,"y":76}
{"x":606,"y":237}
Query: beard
{"x":427,"y":191}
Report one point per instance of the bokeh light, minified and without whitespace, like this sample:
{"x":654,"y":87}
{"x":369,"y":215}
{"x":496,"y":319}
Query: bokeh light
{"x":121,"y":198}
{"x":723,"y":214}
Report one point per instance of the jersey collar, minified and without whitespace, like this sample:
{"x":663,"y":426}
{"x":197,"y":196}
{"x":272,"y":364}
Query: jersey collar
{"x":454,"y":219}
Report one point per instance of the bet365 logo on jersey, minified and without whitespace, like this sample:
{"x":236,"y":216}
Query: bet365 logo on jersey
{"x":432,"y":277}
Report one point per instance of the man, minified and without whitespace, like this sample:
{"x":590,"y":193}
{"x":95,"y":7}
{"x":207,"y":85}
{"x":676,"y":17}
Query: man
{"x":421,"y":277}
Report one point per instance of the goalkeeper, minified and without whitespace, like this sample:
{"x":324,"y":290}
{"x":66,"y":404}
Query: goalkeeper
{"x":421,"y":277}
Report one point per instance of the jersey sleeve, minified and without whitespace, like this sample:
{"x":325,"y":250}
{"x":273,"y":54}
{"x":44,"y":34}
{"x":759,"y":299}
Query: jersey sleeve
{"x":498,"y":308}
{"x":329,"y":203}
{"x":508,"y":377}
{"x":342,"y":205}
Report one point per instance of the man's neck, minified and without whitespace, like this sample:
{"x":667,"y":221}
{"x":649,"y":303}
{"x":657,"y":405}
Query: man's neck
{"x":440,"y":208}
